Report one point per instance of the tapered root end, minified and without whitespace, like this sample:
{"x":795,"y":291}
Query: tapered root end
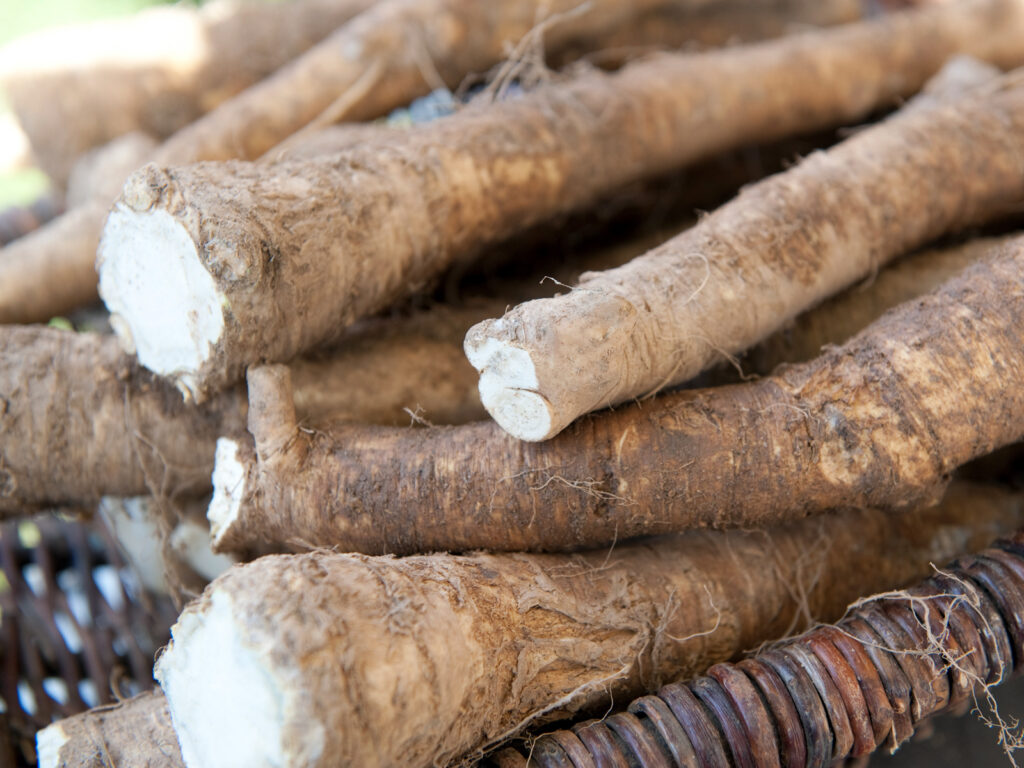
{"x":228,"y":491}
{"x":228,"y":706}
{"x":508,"y":388}
{"x":165,"y":305}
{"x":49,"y":742}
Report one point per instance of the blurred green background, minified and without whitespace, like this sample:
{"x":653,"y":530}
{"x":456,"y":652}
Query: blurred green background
{"x":20,"y":17}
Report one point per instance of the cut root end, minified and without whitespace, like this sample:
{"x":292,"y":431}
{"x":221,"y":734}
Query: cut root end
{"x":227,"y":706}
{"x":508,"y":384}
{"x":165,"y":304}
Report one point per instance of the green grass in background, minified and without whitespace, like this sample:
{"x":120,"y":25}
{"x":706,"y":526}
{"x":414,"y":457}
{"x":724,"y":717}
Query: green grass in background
{"x":20,"y":17}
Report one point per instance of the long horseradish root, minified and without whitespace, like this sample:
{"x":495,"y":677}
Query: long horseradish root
{"x":135,"y":733}
{"x":256,"y":245}
{"x":328,"y":659}
{"x":837,"y":692}
{"x":397,"y":46}
{"x":81,"y":420}
{"x":780,"y":247}
{"x":880,"y":422}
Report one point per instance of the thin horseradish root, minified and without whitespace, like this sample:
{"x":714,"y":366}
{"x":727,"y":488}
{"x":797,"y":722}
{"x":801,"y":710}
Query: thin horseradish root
{"x":881,"y":422}
{"x":780,"y":247}
{"x":259,"y":263}
{"x":329,"y":659}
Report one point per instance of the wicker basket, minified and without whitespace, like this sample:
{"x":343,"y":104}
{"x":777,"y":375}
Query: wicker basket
{"x":76,"y":630}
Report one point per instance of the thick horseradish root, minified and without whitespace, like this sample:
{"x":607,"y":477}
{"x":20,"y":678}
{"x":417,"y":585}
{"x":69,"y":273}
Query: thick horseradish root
{"x":75,"y":88}
{"x":237,"y":249}
{"x":836,"y":692}
{"x":881,"y":421}
{"x":329,"y":659}
{"x":135,"y":733}
{"x":386,"y":58}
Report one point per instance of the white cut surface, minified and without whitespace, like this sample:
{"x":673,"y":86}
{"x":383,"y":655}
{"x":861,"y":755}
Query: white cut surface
{"x":134,"y":525}
{"x":192,"y":543}
{"x":508,"y":384}
{"x":48,"y":745}
{"x":228,"y":488}
{"x":164,"y":303}
{"x":226,"y":705}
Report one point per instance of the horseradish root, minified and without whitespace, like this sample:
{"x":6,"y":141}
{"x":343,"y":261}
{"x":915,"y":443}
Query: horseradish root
{"x":839,"y":318}
{"x":135,"y":733}
{"x":780,"y":247}
{"x":237,"y":248}
{"x":37,"y":280}
{"x":893,"y":661}
{"x":256,"y":120}
{"x":81,"y":420}
{"x":329,"y":659}
{"x":880,"y":422}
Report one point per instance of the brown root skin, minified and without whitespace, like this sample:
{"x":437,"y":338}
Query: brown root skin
{"x":836,"y":320}
{"x":75,"y":240}
{"x":449,"y":189}
{"x":386,"y":57}
{"x":781,"y":246}
{"x":879,"y":422}
{"x":80,"y":420}
{"x":136,"y":733}
{"x":421,"y":660}
{"x":714,"y":25}
{"x":77,"y":88}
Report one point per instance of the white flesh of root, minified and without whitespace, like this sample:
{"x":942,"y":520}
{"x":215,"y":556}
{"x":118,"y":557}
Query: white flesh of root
{"x":228,"y":489}
{"x":508,"y":384}
{"x":164,"y":304}
{"x":49,"y":742}
{"x":191,"y":542}
{"x":229,"y":707}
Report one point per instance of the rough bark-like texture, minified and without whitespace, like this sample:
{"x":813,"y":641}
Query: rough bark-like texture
{"x":836,"y":320}
{"x":137,"y":733}
{"x":81,"y":420}
{"x":412,"y":204}
{"x":82,"y":255}
{"x":781,"y":246}
{"x":79,"y":87}
{"x":415,"y":661}
{"x":879,"y":422}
